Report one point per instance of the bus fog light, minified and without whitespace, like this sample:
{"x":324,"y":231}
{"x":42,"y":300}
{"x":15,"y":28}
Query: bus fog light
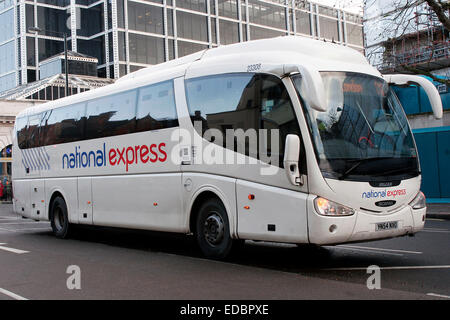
{"x":419,"y":201}
{"x":333,"y":228}
{"x":326,"y":207}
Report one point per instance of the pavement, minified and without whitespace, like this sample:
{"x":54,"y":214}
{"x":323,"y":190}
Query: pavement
{"x":438,"y":210}
{"x":130,"y":264}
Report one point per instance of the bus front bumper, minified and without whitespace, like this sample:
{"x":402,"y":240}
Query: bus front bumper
{"x":363,"y":226}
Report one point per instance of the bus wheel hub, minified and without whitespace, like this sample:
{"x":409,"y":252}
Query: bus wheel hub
{"x":214,"y":229}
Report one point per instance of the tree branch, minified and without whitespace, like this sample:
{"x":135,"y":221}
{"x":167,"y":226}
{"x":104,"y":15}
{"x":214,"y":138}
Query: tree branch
{"x":440,"y":13}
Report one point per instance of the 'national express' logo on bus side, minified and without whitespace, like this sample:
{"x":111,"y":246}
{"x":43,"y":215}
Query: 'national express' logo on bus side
{"x":383,"y":194}
{"x":125,"y":156}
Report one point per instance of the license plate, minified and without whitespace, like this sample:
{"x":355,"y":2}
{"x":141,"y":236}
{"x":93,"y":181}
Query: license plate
{"x":383,"y":226}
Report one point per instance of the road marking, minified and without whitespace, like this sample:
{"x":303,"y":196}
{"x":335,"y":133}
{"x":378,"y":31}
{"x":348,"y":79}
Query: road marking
{"x":368,"y":250}
{"x":434,"y":219}
{"x":391,"y":268}
{"x":382,"y":249}
{"x":23,"y":222}
{"x":32,"y":229}
{"x":438,"y":295}
{"x":18,"y":251}
{"x":436,"y":231}
{"x":12,"y":294}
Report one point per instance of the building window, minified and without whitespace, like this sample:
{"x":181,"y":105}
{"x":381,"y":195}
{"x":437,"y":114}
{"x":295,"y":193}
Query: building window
{"x":192,"y":26}
{"x":228,"y":8}
{"x":303,"y":22}
{"x":196,"y":5}
{"x":145,"y":18}
{"x":267,"y":14}
{"x":329,"y":28}
{"x":355,"y":34}
{"x":92,"y":21}
{"x":146,"y":49}
{"x":229,"y":32}
{"x":186,"y":48}
{"x":263,"y":33}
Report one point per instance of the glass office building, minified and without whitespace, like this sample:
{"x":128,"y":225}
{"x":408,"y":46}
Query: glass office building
{"x":126,"y":35}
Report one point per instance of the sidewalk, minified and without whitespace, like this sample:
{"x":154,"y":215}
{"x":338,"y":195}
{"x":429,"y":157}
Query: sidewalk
{"x":438,"y":210}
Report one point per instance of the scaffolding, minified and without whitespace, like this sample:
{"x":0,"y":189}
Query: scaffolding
{"x":426,"y":49}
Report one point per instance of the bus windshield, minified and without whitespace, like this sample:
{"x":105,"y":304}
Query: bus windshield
{"x":364,"y":134}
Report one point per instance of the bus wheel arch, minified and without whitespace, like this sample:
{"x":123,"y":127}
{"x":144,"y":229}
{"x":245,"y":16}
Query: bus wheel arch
{"x":59,"y":216}
{"x":55,"y":194}
{"x":210,"y":223}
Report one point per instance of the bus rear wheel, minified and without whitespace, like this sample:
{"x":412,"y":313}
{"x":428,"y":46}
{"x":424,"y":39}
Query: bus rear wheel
{"x":213,"y":230}
{"x":59,"y":218}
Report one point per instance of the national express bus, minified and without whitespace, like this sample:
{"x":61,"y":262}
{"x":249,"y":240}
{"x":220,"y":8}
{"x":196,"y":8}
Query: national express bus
{"x":284,"y":140}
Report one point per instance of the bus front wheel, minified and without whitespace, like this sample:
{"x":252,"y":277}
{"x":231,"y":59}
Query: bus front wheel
{"x":59,"y":218}
{"x":213,"y":230}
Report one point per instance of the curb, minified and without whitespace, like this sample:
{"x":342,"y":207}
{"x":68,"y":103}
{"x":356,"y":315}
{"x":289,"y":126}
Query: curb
{"x":445,"y":216}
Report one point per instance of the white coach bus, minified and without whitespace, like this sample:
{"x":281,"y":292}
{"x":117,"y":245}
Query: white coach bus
{"x":343,"y":164}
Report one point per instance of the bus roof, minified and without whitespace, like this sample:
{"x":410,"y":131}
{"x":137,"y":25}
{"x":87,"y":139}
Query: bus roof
{"x":269,"y":53}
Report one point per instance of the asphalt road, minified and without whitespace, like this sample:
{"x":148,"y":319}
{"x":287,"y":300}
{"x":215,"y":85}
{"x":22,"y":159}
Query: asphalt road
{"x":125,"y":264}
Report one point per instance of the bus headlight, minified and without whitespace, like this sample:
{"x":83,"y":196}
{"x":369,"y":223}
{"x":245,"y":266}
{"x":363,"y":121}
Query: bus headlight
{"x":419,"y":201}
{"x":329,"y":208}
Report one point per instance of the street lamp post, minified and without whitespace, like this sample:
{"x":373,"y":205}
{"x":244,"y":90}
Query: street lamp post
{"x":66,"y":63}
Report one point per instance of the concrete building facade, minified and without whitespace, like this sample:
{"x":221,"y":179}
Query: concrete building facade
{"x":126,"y":35}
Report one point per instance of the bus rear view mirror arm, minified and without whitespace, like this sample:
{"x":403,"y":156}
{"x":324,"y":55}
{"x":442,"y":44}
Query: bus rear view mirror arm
{"x":314,"y":87}
{"x":291,"y":156}
{"x":427,"y":85}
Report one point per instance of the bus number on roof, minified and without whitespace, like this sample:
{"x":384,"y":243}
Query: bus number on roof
{"x":254,"y":67}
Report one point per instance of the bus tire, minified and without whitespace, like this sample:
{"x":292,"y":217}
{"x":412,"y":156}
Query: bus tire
{"x":59,"y":218}
{"x":213,"y":230}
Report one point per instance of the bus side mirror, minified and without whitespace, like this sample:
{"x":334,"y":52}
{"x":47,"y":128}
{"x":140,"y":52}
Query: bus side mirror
{"x":291,"y":156}
{"x":428,"y":86}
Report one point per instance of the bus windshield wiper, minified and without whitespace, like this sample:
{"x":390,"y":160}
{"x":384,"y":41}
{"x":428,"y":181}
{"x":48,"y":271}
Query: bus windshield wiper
{"x":356,"y":165}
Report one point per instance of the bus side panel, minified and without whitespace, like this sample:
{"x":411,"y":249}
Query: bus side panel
{"x":225,"y":188}
{"x":274,"y":214}
{"x":67,"y":187}
{"x":145,"y":201}
{"x":22,"y":197}
{"x":37,"y":198}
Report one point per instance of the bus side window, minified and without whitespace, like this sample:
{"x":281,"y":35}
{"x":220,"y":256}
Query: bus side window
{"x":243,"y":101}
{"x":111,"y":115}
{"x":22,"y":134}
{"x":156,"y":107}
{"x":277,"y":113}
{"x":33,"y":131}
{"x":63,"y":125}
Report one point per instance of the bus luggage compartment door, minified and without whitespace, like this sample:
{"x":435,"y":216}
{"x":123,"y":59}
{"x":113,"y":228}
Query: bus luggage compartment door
{"x":85,"y":200}
{"x":271,"y":213}
{"x":37,"y":197}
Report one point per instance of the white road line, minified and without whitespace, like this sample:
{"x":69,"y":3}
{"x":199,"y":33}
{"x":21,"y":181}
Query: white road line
{"x":12,"y":294}
{"x":18,"y":251}
{"x":438,"y":295}
{"x":382,"y":249}
{"x":23,"y":222}
{"x":436,"y":231}
{"x":434,"y":219}
{"x":32,"y":229}
{"x":392,"y":268}
{"x":371,"y":251}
